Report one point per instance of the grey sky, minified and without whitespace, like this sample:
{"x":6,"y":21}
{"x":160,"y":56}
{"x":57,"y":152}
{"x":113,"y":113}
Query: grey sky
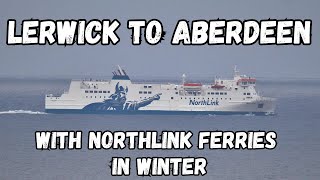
{"x":163,"y":60}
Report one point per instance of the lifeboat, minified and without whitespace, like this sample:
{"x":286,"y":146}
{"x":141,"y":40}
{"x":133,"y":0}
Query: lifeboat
{"x":192,"y":84}
{"x":217,"y":86}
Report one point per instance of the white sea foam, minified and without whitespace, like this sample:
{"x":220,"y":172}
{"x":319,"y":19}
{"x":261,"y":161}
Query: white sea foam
{"x":21,"y":112}
{"x":270,"y":113}
{"x":249,"y":114}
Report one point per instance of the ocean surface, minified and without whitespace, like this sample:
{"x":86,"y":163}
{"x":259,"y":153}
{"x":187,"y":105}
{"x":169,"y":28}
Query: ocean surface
{"x":297,"y":123}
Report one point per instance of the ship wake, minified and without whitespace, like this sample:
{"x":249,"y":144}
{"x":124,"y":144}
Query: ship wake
{"x":21,"y":112}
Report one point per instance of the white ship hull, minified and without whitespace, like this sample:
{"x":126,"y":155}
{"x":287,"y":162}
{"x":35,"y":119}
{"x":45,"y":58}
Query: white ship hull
{"x":120,"y":95}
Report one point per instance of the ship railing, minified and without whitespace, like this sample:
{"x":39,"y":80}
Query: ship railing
{"x":91,"y":80}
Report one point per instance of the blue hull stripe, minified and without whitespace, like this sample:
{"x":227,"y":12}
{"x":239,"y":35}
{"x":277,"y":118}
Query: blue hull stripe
{"x":156,"y":112}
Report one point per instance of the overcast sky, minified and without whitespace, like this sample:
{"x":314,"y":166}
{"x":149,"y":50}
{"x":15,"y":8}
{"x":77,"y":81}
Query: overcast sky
{"x":163,"y":60}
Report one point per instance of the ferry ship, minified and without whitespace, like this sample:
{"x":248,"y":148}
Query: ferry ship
{"x":122,"y":96}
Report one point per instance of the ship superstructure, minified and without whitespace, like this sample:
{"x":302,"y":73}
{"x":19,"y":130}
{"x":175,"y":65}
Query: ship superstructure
{"x":121,"y":95}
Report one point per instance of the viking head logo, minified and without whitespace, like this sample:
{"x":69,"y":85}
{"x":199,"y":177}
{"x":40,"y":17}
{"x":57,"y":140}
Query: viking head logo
{"x":118,"y":101}
{"x":120,"y":93}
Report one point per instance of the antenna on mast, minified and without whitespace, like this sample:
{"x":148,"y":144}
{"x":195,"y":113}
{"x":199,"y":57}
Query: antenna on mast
{"x":235,"y":71}
{"x":184,"y":78}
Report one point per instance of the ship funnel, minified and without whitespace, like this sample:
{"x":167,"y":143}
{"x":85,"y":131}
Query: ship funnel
{"x":121,"y":75}
{"x":120,"y":70}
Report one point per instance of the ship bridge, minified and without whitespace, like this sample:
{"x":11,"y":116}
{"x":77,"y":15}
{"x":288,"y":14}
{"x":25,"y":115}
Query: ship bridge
{"x":243,"y":80}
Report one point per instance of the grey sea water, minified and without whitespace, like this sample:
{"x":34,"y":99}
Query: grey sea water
{"x":297,"y":155}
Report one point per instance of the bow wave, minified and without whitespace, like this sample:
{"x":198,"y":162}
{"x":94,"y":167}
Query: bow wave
{"x":21,"y":112}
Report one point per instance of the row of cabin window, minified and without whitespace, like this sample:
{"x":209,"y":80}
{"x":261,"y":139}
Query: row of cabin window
{"x":96,"y":91}
{"x":193,"y":92}
{"x":147,"y":86}
{"x":96,"y":97}
{"x":248,"y":82}
{"x":145,"y":92}
{"x":217,"y":93}
{"x":246,"y":94}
